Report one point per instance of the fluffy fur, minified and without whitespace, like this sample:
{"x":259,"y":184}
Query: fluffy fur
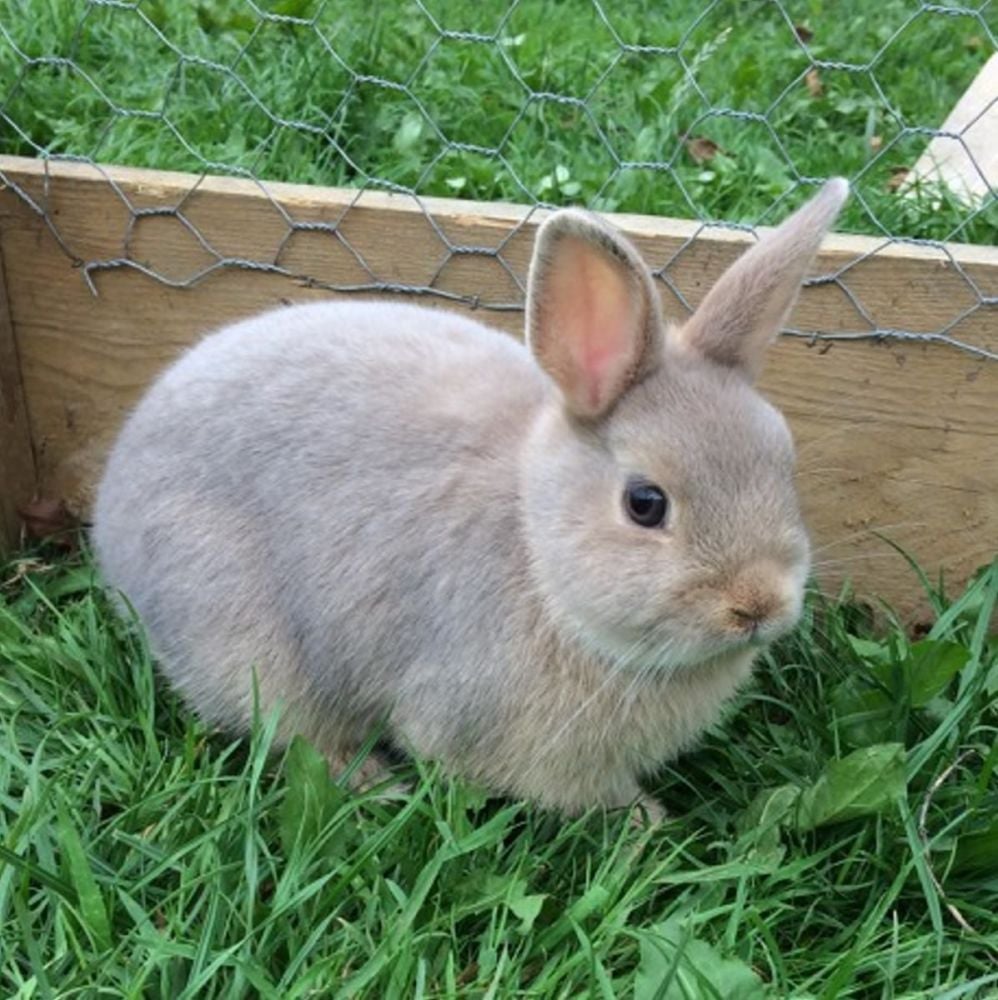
{"x":394,"y":515}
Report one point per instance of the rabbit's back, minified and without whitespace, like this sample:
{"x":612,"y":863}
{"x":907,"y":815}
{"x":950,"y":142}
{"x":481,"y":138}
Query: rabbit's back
{"x":302,"y":493}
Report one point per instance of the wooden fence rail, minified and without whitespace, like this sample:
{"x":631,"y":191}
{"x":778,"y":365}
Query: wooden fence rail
{"x":896,"y":437}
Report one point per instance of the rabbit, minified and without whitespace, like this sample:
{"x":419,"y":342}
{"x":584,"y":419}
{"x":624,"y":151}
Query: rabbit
{"x":545,"y":566}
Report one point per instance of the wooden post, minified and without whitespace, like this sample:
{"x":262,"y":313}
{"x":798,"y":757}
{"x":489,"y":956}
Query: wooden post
{"x":17,"y":461}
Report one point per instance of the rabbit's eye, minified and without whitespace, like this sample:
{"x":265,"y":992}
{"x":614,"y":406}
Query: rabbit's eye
{"x":645,"y":504}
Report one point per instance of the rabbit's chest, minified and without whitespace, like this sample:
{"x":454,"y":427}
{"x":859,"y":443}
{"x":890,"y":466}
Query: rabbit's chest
{"x":635,"y":716}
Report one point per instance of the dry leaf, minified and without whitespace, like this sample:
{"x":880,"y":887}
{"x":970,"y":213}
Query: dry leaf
{"x":805,"y":34}
{"x":702,"y":149}
{"x":876,"y":142}
{"x":22,"y":568}
{"x":468,"y":974}
{"x":45,"y":518}
{"x":813,"y":80}
{"x":898,"y":175}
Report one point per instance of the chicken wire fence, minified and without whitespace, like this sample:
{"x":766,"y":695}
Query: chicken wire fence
{"x":726,"y":112}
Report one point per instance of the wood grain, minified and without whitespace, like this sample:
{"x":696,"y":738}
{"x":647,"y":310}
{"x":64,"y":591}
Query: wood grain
{"x":897,"y":437}
{"x":17,"y":465}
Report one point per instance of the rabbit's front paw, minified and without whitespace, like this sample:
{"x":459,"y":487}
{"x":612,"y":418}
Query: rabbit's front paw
{"x":648,"y":812}
{"x":373,"y":772}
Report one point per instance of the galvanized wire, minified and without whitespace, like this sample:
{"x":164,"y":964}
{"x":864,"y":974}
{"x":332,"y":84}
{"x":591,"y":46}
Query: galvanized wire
{"x":310,"y":19}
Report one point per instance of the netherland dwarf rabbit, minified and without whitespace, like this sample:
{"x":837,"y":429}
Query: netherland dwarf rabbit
{"x":545,"y":566}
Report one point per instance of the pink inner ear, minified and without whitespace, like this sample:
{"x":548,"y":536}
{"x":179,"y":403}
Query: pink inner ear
{"x":599,"y":325}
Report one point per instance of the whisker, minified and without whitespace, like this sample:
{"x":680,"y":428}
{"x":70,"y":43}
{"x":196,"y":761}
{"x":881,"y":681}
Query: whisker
{"x":842,"y":428}
{"x":611,"y":676}
{"x":664,"y":646}
{"x":869,"y":533}
{"x":634,"y":658}
{"x":858,"y":557}
{"x":839,"y":470}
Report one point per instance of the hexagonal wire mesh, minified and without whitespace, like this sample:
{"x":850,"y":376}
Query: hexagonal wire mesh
{"x":726,"y":112}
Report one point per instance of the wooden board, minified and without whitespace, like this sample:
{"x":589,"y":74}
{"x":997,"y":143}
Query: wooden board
{"x":967,"y":165}
{"x":17,"y":466}
{"x":894,"y":437}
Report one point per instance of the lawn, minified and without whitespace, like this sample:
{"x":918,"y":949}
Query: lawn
{"x":835,"y":837}
{"x":661,"y":106}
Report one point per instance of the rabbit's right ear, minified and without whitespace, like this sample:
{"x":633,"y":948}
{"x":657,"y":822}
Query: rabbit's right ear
{"x":742,"y":314}
{"x":593,"y":317}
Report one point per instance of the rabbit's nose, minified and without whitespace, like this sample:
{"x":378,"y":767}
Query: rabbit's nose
{"x":749,"y":615}
{"x":759,"y":601}
{"x":755,"y":598}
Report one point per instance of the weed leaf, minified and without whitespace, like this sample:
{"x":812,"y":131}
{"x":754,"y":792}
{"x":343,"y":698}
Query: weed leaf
{"x":526,"y":909}
{"x":864,"y":783}
{"x":865,"y":715}
{"x":675,"y":965}
{"x":978,"y":852}
{"x":312,"y":797}
{"x":760,"y":824}
{"x":932,"y":665}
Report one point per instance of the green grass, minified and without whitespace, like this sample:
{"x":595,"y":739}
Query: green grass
{"x":142,"y":856}
{"x":356,"y":92}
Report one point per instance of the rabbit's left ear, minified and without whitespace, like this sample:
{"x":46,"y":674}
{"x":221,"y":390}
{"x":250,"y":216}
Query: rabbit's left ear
{"x":593,"y":316}
{"x":752,"y":300}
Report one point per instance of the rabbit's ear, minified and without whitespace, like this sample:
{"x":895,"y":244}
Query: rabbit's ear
{"x":593,"y":319}
{"x":752,"y":300}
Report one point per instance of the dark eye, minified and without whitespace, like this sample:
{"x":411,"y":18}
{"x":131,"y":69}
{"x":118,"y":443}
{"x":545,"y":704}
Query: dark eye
{"x":645,"y":503}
